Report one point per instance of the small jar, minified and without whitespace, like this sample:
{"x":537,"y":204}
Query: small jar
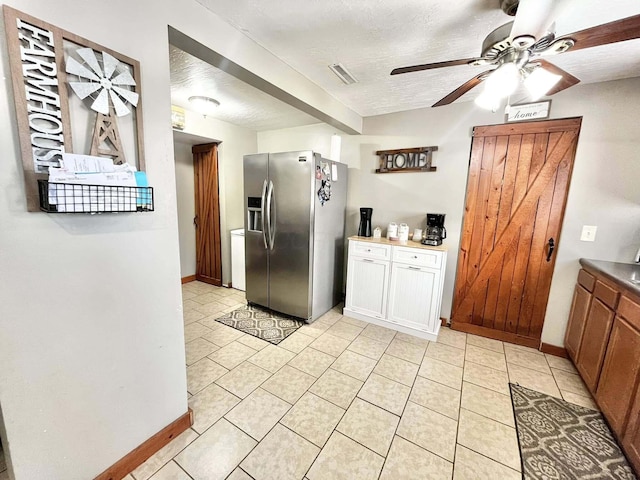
{"x":392,"y":231}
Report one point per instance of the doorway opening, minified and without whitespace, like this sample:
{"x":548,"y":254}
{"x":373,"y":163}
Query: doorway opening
{"x":197,"y":179}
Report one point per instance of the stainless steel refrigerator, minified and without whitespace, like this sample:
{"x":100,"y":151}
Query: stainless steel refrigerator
{"x":295,"y":206}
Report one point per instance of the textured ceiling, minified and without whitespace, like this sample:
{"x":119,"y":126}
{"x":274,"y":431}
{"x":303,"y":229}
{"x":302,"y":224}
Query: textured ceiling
{"x":371,"y":37}
{"x":240,"y":103}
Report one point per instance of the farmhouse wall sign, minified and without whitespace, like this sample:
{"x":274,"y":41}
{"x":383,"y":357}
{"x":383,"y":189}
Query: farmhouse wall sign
{"x":416,"y":159}
{"x":528,"y":111}
{"x":71,"y":96}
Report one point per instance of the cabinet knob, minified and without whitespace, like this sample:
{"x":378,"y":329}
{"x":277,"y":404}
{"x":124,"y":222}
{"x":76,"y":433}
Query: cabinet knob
{"x":415,"y":256}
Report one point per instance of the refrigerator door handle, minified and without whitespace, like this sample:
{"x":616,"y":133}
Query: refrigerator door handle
{"x":271,"y":213}
{"x":262,"y":214}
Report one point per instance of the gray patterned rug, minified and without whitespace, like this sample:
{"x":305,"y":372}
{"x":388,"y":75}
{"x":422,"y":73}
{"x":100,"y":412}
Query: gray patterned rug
{"x":560,"y":440}
{"x":262,"y":323}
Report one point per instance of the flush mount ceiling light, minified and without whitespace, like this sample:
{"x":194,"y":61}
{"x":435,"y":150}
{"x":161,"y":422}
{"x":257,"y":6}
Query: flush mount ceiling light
{"x":204,"y":105}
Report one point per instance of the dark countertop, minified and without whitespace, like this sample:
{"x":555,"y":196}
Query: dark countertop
{"x":627,"y":275}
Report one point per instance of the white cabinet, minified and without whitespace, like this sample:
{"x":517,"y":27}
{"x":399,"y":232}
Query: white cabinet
{"x":372,"y":276}
{"x":396,"y":286}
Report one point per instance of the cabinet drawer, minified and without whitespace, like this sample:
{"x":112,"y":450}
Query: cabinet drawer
{"x":370,"y":250}
{"x":417,"y":256}
{"x":630,"y":311}
{"x":587,"y":280}
{"x":606,"y":294}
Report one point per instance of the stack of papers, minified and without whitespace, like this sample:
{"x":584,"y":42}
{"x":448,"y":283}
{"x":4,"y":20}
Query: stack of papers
{"x":86,"y":183}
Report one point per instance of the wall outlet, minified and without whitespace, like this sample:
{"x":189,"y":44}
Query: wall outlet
{"x":588,"y":233}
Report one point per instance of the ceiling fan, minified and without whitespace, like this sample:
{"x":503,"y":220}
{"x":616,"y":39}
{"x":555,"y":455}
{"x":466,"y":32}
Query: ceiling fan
{"x":516,"y":48}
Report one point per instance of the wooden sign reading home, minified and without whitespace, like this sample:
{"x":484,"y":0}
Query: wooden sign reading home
{"x":416,"y":159}
{"x":47,"y":110}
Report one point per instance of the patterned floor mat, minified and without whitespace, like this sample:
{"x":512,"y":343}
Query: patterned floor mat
{"x":261,"y":323}
{"x":560,"y":440}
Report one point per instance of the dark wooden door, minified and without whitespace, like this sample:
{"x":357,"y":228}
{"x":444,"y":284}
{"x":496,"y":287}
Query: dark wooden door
{"x":516,"y":193}
{"x":207,"y":219}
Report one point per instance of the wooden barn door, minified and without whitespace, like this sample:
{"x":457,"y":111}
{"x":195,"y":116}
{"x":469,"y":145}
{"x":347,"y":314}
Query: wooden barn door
{"x":516,"y":193}
{"x":207,"y":219}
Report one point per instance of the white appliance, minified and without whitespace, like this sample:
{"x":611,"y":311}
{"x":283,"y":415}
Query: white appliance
{"x":237,"y":259}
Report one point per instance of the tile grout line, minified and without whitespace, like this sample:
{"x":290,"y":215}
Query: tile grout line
{"x":377,"y":360}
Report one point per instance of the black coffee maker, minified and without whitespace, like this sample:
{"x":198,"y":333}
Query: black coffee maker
{"x":435,"y":231}
{"x":364,"y":230}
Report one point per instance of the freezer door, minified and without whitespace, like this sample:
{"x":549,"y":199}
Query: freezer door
{"x":290,"y":216}
{"x":255,"y":237}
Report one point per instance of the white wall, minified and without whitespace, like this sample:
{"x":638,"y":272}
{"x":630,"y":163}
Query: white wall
{"x":185,"y":191}
{"x":604,"y":189}
{"x":91,"y":351}
{"x":91,"y":316}
{"x":236,"y":142}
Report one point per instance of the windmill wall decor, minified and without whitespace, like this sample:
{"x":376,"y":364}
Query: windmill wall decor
{"x":64,"y":84}
{"x":106,"y":83}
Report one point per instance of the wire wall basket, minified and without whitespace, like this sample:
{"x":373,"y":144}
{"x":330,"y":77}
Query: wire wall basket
{"x":74,"y":198}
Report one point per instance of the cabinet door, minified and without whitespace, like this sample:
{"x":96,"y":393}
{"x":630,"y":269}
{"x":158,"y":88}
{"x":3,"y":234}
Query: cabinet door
{"x":631,"y":440}
{"x":619,"y":374}
{"x":594,"y":342}
{"x":413,"y":296}
{"x":367,"y":281}
{"x":577,"y":320}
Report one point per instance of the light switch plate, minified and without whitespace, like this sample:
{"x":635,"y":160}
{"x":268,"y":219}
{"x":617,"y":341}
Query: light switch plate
{"x":588,"y":233}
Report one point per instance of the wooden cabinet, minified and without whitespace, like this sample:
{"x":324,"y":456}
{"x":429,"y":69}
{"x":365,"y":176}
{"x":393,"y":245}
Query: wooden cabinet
{"x":577,"y":320}
{"x":594,"y":342}
{"x":595,"y":337}
{"x":631,"y":439}
{"x":396,"y":286}
{"x":603,"y":339}
{"x":619,"y":375}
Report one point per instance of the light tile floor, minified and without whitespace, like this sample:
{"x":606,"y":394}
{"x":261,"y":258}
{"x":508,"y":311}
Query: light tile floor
{"x":344,"y":399}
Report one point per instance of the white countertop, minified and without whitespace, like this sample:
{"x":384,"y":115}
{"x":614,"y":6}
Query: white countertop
{"x":408,"y":243}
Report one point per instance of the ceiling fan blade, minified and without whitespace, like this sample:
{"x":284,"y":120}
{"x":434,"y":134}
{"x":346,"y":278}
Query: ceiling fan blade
{"x":567,"y":80}
{"x":462,"y":89}
{"x":612,"y":32}
{"x":534,"y":17}
{"x":429,"y":66}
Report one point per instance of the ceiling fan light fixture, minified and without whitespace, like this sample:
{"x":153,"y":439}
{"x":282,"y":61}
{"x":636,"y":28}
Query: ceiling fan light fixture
{"x":204,"y":105}
{"x":539,"y":82}
{"x":504,"y":80}
{"x":488,"y":100}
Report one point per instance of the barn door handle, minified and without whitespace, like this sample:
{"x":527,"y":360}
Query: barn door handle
{"x":552,"y":247}
{"x":195,"y":221}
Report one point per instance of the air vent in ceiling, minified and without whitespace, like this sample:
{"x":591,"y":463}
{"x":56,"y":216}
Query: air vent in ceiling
{"x":342,"y":73}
